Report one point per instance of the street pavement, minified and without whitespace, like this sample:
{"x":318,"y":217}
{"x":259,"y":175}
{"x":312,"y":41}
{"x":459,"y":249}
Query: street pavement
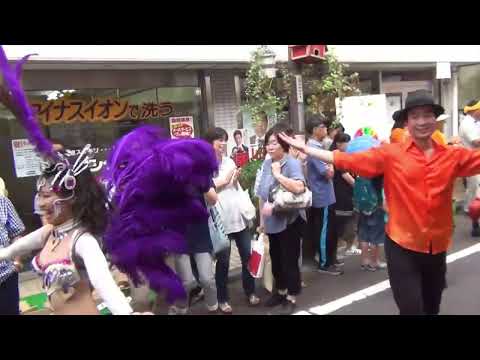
{"x":326,"y":294}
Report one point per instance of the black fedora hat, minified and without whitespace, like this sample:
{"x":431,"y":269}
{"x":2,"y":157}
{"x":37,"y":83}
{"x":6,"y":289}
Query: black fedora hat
{"x":420,"y":98}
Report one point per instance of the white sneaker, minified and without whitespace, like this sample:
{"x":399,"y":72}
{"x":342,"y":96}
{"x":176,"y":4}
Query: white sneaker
{"x":253,"y":300}
{"x":225,"y":308}
{"x":353,"y":251}
{"x":381,"y":265}
{"x":212,"y":308}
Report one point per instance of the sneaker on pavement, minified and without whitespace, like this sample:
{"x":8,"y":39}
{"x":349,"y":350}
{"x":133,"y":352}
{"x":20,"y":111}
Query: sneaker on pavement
{"x":275,"y":300}
{"x":175,"y":310}
{"x":253,"y":300}
{"x":331,"y":270}
{"x":225,"y":308}
{"x":381,"y":265}
{"x":353,"y":251}
{"x":369,"y":267}
{"x":212,"y":308}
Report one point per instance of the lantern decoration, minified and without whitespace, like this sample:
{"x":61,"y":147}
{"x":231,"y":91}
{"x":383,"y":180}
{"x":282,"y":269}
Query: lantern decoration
{"x":268,"y":62}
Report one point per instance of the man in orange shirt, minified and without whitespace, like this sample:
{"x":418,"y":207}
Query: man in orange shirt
{"x":418,"y":179}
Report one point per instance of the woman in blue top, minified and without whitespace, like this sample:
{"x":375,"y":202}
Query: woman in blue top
{"x":282,"y":226}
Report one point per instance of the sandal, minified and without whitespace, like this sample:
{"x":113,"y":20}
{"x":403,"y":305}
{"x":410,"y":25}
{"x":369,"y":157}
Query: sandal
{"x":253,"y":300}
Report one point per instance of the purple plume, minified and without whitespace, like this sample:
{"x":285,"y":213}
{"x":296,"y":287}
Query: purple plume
{"x":22,"y":109}
{"x":157,"y":183}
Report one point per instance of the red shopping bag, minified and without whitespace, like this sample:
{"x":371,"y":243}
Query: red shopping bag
{"x":474,"y":209}
{"x":257,"y":257}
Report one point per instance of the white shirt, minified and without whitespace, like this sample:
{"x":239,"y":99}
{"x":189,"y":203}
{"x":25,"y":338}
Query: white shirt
{"x":469,"y":131}
{"x":228,"y":200}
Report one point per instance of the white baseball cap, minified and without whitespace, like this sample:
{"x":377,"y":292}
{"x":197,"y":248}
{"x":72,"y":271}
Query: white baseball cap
{"x":443,"y":117}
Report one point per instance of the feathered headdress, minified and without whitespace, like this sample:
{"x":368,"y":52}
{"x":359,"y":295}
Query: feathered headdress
{"x":14,"y":98}
{"x":158,"y":185}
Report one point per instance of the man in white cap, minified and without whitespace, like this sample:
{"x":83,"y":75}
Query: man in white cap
{"x":438,"y":134}
{"x":470,"y":134}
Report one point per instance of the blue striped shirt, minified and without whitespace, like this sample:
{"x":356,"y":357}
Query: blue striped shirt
{"x":10,"y":226}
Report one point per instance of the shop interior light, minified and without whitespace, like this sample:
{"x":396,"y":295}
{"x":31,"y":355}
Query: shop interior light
{"x":56,"y":94}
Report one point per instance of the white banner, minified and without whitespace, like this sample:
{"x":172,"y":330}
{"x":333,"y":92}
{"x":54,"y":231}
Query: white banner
{"x":25,"y":158}
{"x":356,"y":112}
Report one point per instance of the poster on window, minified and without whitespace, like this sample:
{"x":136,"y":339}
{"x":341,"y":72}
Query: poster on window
{"x":181,"y":127}
{"x":25,"y":158}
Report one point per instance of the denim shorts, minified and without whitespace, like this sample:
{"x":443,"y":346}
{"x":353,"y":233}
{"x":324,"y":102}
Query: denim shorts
{"x":371,"y":228}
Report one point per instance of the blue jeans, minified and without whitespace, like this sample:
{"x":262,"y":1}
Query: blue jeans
{"x":9,"y":296}
{"x":243,"y":241}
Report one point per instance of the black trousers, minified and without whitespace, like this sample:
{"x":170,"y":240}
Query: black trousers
{"x":322,"y":235}
{"x":417,"y":279}
{"x":9,"y":296}
{"x":284,"y":254}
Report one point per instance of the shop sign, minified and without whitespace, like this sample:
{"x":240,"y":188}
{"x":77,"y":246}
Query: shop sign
{"x":105,"y":110}
{"x":181,"y":127}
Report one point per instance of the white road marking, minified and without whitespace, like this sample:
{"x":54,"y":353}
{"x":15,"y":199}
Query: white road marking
{"x":335,"y":305}
{"x":302,"y":313}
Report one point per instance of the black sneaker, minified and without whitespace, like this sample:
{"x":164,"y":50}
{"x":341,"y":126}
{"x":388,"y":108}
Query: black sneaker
{"x":288,"y":307}
{"x":275,"y":300}
{"x":476,"y":232}
{"x":330,"y":270}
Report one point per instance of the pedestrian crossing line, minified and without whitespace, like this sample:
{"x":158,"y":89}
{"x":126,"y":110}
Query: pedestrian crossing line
{"x":337,"y":304}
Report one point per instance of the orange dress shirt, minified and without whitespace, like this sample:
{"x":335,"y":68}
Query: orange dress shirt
{"x":418,"y":190}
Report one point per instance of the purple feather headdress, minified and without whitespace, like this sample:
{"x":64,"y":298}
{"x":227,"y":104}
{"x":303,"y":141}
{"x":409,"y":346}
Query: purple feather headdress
{"x":156,"y":185}
{"x":13,"y":97}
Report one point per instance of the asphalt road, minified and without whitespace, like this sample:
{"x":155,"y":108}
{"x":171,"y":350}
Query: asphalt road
{"x":330,"y":294}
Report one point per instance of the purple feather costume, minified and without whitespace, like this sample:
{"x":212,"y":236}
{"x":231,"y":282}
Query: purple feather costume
{"x":155,"y":183}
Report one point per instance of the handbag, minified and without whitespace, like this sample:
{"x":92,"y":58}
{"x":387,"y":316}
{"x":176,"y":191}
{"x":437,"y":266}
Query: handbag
{"x":247,"y":209}
{"x":220,"y":240}
{"x":286,"y":200}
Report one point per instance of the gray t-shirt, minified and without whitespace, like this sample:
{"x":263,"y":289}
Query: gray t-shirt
{"x":291,"y":168}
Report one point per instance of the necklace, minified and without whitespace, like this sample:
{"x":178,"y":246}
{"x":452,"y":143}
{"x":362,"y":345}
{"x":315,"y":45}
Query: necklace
{"x":61,"y":232}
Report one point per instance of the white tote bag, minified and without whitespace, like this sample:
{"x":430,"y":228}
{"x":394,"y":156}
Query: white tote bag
{"x":247,"y":209}
{"x":267,"y":267}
